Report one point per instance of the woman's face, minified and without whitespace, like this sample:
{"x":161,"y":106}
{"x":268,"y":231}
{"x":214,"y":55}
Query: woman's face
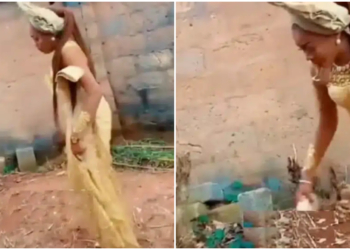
{"x":44,"y":42}
{"x":320,"y":50}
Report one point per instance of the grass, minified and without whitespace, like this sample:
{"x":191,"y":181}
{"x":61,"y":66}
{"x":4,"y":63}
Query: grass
{"x":144,"y":154}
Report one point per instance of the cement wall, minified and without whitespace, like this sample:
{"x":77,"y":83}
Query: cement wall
{"x":244,"y":94}
{"x":135,"y":42}
{"x":138,"y":55}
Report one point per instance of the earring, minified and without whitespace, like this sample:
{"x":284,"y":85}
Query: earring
{"x":338,"y":41}
{"x":53,"y":38}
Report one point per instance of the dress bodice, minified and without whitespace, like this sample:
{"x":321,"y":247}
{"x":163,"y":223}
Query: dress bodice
{"x":339,"y":86}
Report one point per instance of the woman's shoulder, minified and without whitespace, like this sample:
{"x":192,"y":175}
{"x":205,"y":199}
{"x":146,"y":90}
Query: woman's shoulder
{"x":71,"y":43}
{"x":72,"y":51}
{"x":71,"y":46}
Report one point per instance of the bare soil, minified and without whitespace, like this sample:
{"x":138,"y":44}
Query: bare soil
{"x":39,"y":210}
{"x":322,"y":229}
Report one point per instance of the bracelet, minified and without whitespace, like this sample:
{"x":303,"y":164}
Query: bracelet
{"x":305,"y":181}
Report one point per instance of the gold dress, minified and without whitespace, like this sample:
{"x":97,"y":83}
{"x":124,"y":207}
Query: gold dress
{"x":93,"y":175}
{"x":339,"y":86}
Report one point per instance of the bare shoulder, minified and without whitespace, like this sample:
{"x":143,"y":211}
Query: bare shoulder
{"x":72,"y":54}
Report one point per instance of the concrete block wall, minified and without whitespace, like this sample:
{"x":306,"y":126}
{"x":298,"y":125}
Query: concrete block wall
{"x":25,"y":101}
{"x":244,"y":92}
{"x":124,"y":50}
{"x":136,"y":42}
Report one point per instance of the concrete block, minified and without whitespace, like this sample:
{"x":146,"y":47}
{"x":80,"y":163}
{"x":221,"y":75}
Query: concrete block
{"x":231,"y":213}
{"x":96,"y":48}
{"x":171,"y":15}
{"x":92,"y":30}
{"x":2,"y":164}
{"x":170,"y":73}
{"x":205,"y":192}
{"x":110,"y":48}
{"x":105,"y":12}
{"x":233,"y":189}
{"x":26,"y":159}
{"x":118,"y":25}
{"x":130,"y":45}
{"x":134,"y":6}
{"x":188,"y":212}
{"x":88,"y":13}
{"x":159,"y":39}
{"x":136,"y":23}
{"x":72,"y":4}
{"x":256,"y":200}
{"x":158,"y":60}
{"x":168,"y":85}
{"x":125,"y":66}
{"x":156,"y":17}
{"x":148,"y":80}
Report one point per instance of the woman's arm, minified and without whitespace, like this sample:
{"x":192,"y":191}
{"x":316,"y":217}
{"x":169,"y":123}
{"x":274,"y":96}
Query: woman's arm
{"x":326,"y":128}
{"x":74,"y":56}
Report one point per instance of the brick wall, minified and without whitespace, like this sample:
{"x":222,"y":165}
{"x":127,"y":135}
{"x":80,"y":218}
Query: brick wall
{"x":131,"y":43}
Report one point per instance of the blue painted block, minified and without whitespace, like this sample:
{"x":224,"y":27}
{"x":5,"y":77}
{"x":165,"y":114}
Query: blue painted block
{"x":248,"y":224}
{"x":205,"y":192}
{"x":247,"y":244}
{"x":256,"y":200}
{"x":274,"y":184}
{"x":72,"y":4}
{"x":232,"y":191}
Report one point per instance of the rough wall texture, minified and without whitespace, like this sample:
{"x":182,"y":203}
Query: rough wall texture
{"x":135,"y":42}
{"x":25,"y":101}
{"x":243,"y":92}
{"x":131,"y":43}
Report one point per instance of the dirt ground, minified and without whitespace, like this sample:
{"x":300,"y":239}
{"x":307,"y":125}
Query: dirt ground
{"x":244,"y":93}
{"x":39,"y":210}
{"x":323,"y":229}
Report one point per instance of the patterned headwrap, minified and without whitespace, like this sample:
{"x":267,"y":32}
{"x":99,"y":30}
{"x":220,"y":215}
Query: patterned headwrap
{"x":325,"y":18}
{"x":42,"y":19}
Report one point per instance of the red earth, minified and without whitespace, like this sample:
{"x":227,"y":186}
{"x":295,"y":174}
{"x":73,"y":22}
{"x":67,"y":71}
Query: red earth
{"x":38,"y":210}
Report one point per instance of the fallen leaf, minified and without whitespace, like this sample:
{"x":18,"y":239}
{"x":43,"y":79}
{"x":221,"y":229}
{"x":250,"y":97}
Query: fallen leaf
{"x":339,"y":241}
{"x":320,"y":221}
{"x":321,"y":240}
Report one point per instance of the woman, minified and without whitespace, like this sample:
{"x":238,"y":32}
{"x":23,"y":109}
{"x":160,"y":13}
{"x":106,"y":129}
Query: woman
{"x":321,"y":31}
{"x":84,"y":117}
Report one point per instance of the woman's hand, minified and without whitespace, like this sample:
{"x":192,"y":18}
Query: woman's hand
{"x":304,"y":190}
{"x":77,"y":150}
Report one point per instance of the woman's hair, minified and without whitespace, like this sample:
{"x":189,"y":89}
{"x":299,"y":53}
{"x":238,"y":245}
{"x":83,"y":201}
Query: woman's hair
{"x":70,"y":30}
{"x":343,"y":4}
